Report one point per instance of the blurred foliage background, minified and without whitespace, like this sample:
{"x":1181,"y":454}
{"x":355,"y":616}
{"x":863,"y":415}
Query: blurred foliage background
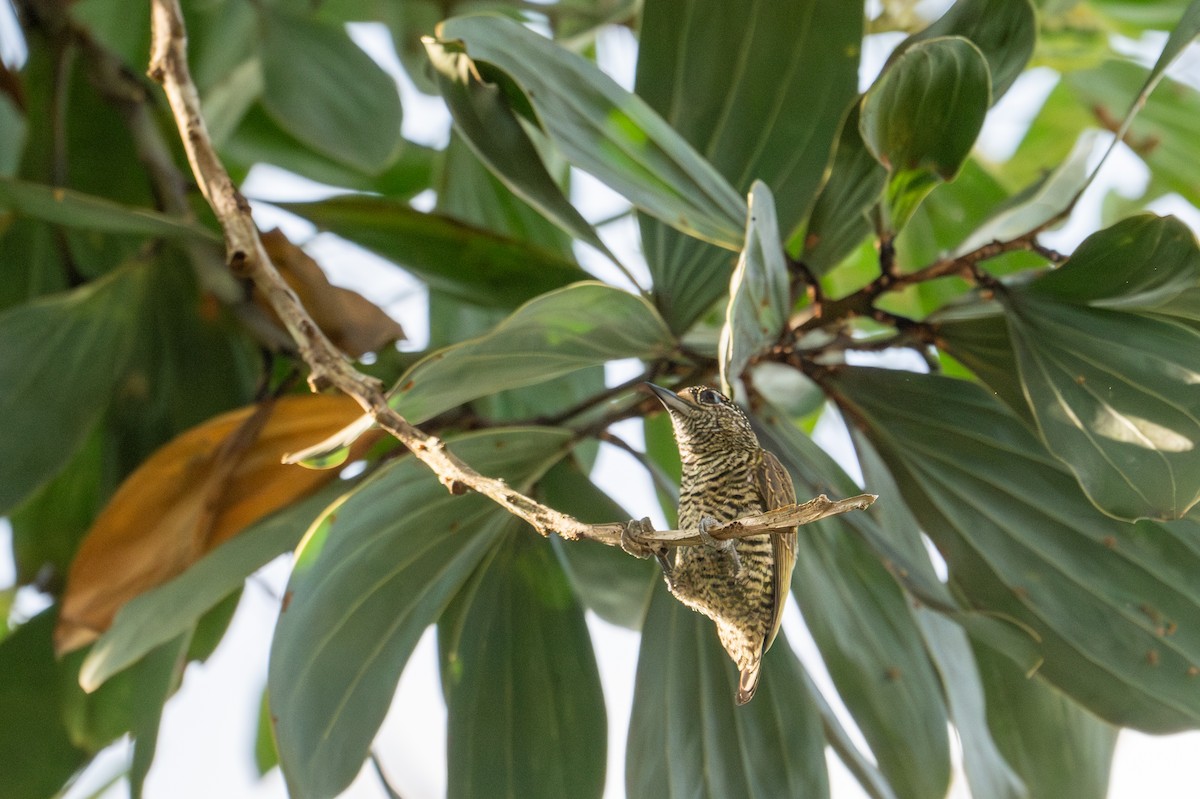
{"x":791,"y":223}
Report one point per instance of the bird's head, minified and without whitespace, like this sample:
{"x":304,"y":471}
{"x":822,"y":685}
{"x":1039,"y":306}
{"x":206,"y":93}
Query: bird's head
{"x":704,"y":419}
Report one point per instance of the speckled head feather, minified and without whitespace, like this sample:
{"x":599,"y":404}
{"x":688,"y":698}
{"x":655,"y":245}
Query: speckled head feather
{"x":704,"y":415}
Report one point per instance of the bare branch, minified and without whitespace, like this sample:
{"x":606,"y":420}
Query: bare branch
{"x":329,"y":367}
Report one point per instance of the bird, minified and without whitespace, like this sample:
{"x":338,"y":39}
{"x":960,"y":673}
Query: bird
{"x":741,"y":585}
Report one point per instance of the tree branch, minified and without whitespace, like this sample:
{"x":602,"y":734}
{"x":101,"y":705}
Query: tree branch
{"x":329,"y":367}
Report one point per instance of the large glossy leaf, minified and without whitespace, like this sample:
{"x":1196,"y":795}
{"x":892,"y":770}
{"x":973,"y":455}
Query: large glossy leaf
{"x":1022,"y":541}
{"x":560,"y":332}
{"x":976,"y":335}
{"x":759,"y":299}
{"x":738,"y":80}
{"x":88,"y":212}
{"x":605,"y":130}
{"x":489,"y":125}
{"x":520,"y":677}
{"x":1005,"y":31}
{"x":158,"y":615}
{"x":369,"y":577}
{"x":1112,"y":389}
{"x":610,"y":583}
{"x":839,"y":218}
{"x":464,"y":261}
{"x":860,"y":619}
{"x":687,"y":738}
{"x":61,"y":358}
{"x":922,"y":117}
{"x":1145,"y":263}
{"x":1058,"y":748}
{"x":321,"y":88}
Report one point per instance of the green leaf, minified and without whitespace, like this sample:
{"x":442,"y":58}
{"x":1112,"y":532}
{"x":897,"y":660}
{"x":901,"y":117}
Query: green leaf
{"x":520,"y":677}
{"x":1005,"y":31}
{"x":759,"y":298}
{"x":258,"y":139}
{"x":61,"y":358}
{"x":860,"y":620}
{"x":922,"y":117}
{"x":1022,"y":541}
{"x":155,"y":617}
{"x":369,"y":577}
{"x":1146,"y":264}
{"x":1058,"y":748}
{"x":557,"y":333}
{"x":573,"y":328}
{"x":1114,"y":398}
{"x":839,"y":218}
{"x":265,"y":756}
{"x":468,"y":191}
{"x":39,"y":755}
{"x":88,"y":212}
{"x":1160,"y":135}
{"x":489,"y":126}
{"x":1112,"y":388}
{"x":976,"y":335}
{"x":815,"y":472}
{"x":683,"y":707}
{"x":13,"y":131}
{"x":159,"y":677}
{"x":609,"y":582}
{"x":737,"y":81}
{"x":321,"y":88}
{"x":1043,"y":204}
{"x":605,"y":130}
{"x":862,"y":624}
{"x":47,"y":527}
{"x":464,"y":261}
{"x":988,"y":773}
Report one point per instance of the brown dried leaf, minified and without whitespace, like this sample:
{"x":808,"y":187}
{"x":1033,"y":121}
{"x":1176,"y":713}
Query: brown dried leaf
{"x":200,"y":489}
{"x":352,"y":322}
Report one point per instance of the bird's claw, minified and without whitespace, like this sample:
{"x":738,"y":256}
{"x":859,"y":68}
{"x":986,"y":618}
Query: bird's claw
{"x":631,"y":538}
{"x":726,"y":546}
{"x":632,"y":543}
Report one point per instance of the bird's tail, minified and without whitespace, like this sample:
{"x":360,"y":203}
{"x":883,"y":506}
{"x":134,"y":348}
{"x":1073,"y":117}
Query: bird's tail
{"x":748,"y":682}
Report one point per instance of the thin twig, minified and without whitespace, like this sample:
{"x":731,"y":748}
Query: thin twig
{"x":329,"y":367}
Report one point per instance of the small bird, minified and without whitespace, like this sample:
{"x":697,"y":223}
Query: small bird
{"x":741,"y":585}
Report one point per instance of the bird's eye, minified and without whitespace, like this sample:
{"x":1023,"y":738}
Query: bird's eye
{"x":709,"y":397}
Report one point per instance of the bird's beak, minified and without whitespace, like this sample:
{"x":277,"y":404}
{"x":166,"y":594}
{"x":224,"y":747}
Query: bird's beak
{"x":670,"y":399}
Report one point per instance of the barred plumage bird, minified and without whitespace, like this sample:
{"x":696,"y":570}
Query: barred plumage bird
{"x":741,"y":585}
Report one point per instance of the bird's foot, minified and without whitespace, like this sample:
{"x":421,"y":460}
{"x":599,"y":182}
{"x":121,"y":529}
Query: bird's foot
{"x":726,"y":546}
{"x":631,"y":542}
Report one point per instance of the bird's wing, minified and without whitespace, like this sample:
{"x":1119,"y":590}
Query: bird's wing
{"x":775,"y":486}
